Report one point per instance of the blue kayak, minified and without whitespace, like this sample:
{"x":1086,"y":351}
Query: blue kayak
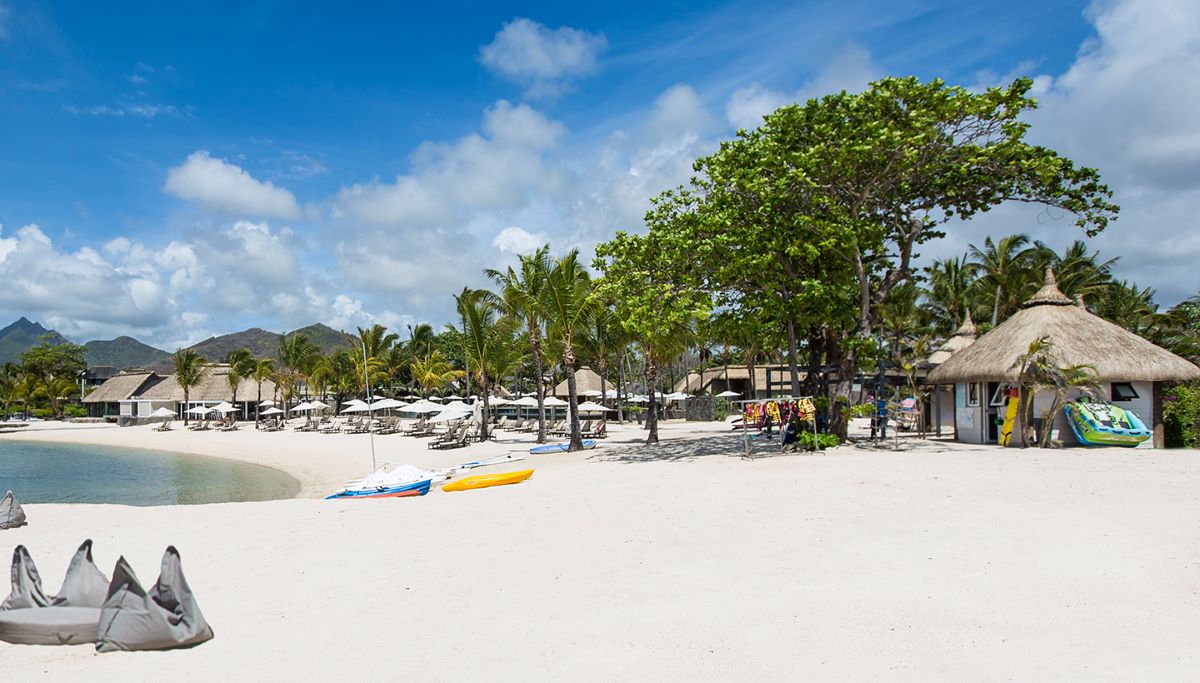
{"x":558,"y":447}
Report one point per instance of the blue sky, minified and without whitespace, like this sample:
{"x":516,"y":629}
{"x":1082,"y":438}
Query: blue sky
{"x":176,"y":170}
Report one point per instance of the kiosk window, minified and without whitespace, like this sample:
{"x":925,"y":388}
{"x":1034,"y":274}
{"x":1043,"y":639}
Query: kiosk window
{"x":1123,"y":391}
{"x":972,"y":394}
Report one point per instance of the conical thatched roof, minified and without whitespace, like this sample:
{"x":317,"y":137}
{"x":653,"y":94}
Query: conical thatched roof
{"x":963,"y":337}
{"x":586,"y":379}
{"x":1079,"y":338}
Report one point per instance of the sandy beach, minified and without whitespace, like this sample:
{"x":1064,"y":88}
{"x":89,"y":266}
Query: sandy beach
{"x":681,"y":561}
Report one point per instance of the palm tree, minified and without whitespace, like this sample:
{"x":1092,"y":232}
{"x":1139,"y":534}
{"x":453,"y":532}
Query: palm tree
{"x":241,"y":366}
{"x":521,"y":295}
{"x":1037,"y":371}
{"x":568,"y":306}
{"x":264,"y":368}
{"x":434,"y":371}
{"x":296,"y":354}
{"x":377,"y":343}
{"x":951,"y":291}
{"x":1004,"y":264}
{"x":1079,"y":273}
{"x":56,"y":389}
{"x":604,"y":338}
{"x":489,"y":344}
{"x":189,"y":370}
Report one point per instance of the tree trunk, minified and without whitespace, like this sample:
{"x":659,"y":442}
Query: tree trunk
{"x":793,"y":365}
{"x":572,"y":399}
{"x":258,"y":408}
{"x":996,"y":306}
{"x":652,"y":410}
{"x":185,"y":402}
{"x":621,"y":386}
{"x":535,"y":342}
{"x":753,"y":381}
{"x":483,"y":427}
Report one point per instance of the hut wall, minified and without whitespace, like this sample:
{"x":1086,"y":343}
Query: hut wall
{"x":968,"y":419}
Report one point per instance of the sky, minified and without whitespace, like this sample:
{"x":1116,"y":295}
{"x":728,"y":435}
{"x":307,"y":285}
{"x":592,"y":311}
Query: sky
{"x":173,"y":171}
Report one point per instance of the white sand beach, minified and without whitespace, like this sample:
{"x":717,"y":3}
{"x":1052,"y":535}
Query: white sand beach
{"x":681,"y":561}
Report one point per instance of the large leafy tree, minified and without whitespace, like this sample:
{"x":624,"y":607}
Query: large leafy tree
{"x":568,"y":306}
{"x":521,"y":293}
{"x":189,"y":370}
{"x":50,"y":360}
{"x":647,"y":279}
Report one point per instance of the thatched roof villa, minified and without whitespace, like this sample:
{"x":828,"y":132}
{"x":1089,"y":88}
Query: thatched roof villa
{"x":1131,"y":369}
{"x":130,"y":398}
{"x":943,"y":395}
{"x":106,"y":400}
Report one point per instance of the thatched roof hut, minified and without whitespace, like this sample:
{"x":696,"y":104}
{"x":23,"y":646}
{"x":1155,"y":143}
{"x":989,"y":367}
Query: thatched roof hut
{"x":122,"y":387}
{"x":586,"y":379}
{"x":213,"y":387}
{"x":963,"y":337}
{"x":1079,"y":338}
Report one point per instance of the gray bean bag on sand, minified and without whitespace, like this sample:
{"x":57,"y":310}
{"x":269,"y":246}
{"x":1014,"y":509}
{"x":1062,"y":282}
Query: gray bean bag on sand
{"x":166,"y":617}
{"x":29,"y":616}
{"x":12,"y":515}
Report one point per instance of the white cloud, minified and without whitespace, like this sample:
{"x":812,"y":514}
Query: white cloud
{"x":851,"y":69}
{"x":514,"y":240}
{"x":220,"y":185}
{"x":1128,"y":106}
{"x":544,"y":60}
{"x":145,"y":110}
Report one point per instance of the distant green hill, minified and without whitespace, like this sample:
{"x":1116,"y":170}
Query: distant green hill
{"x":20,"y":336}
{"x":122,"y":353}
{"x":262,"y":343}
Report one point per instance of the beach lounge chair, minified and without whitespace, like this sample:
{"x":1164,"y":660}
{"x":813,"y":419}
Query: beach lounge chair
{"x":333,"y":427}
{"x":164,"y":427}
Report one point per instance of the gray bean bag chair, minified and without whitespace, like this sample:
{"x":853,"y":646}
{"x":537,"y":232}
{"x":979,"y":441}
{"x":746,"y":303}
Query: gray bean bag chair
{"x":29,"y":616}
{"x":165,"y":617}
{"x":12,"y":515}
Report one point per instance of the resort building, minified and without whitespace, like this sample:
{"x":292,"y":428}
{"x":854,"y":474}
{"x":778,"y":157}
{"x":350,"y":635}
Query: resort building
{"x":1129,"y":369}
{"x":771,"y":379}
{"x":586,"y":380}
{"x":115,"y":398}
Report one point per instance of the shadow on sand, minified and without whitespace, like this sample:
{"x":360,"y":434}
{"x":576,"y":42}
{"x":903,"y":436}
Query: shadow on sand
{"x":684,"y":450}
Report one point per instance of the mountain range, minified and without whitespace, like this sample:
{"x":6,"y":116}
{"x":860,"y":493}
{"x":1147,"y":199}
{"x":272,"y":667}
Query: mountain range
{"x":126,"y":352}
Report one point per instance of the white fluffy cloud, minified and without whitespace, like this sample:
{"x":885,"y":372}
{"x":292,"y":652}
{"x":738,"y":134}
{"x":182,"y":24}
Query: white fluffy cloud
{"x":544,"y":60}
{"x":851,"y":69}
{"x":514,"y":240}
{"x":225,"y":187}
{"x":1128,"y":106}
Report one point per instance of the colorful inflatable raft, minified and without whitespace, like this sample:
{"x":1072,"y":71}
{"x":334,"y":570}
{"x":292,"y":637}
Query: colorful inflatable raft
{"x":1103,"y":424}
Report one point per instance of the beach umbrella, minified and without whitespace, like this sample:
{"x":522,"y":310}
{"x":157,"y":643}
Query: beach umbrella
{"x":453,"y":398}
{"x":450,"y":415}
{"x":527,"y":401}
{"x":457,"y":405}
{"x":498,"y":401}
{"x":611,"y":393}
{"x":435,"y":398}
{"x":267,"y":403}
{"x":163,"y":412}
{"x":592,"y":393}
{"x":593,"y":407}
{"x":301,"y":407}
{"x":354,"y":402}
{"x":728,"y":394}
{"x":638,"y":399}
{"x":318,"y":405}
{"x":271,"y":411}
{"x":677,"y":396}
{"x":199,"y":410}
{"x":553,"y":402}
{"x":387,"y":404}
{"x":423,"y":408}
{"x":408,"y":397}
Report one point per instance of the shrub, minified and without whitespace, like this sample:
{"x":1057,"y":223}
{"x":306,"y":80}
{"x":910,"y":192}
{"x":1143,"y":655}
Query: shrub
{"x":862,"y":410}
{"x":74,"y":411}
{"x":812,"y":442}
{"x":1181,"y":416}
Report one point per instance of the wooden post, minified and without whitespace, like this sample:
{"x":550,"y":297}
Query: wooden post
{"x":1156,"y":418}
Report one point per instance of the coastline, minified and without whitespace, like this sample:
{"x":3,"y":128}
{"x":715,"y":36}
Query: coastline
{"x":681,"y":561}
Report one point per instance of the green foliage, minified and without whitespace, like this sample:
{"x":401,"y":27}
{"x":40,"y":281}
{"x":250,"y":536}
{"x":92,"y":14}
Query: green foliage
{"x":862,"y":410}
{"x":811,"y":442}
{"x":74,"y":411}
{"x":50,"y":359}
{"x":1181,"y":416}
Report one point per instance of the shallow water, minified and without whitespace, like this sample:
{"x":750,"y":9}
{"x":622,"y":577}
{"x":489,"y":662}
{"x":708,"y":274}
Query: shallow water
{"x":68,"y":473}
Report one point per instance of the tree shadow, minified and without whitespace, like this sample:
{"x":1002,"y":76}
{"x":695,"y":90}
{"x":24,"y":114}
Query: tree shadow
{"x":684,"y":450}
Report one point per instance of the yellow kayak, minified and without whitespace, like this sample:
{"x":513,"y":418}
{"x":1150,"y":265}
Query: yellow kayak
{"x":482,"y":481}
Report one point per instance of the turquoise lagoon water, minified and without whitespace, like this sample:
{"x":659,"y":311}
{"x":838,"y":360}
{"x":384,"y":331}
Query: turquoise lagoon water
{"x":68,"y":473}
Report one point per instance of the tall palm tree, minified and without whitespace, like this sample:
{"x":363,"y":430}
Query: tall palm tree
{"x":56,"y":389}
{"x":951,"y":291}
{"x":1079,"y":273}
{"x":296,"y":354}
{"x":568,"y":305}
{"x":264,"y":369}
{"x":521,"y":294}
{"x":378,"y":343}
{"x":434,"y":371}
{"x":489,"y":345}
{"x":241,"y":366}
{"x":189,"y":370}
{"x":1004,"y":264}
